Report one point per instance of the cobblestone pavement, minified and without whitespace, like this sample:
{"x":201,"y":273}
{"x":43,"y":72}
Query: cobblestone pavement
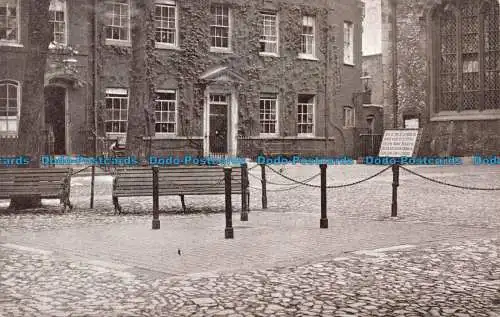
{"x":92,"y":263}
{"x":418,"y":200}
{"x":267,"y":240}
{"x":461,"y":278}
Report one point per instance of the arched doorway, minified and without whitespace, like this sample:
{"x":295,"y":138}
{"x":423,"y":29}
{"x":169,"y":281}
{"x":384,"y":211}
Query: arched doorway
{"x":55,"y":116}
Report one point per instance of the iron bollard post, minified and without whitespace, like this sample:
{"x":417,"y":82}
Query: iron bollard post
{"x":156,"y":213}
{"x":395,"y":184}
{"x":229,"y":231}
{"x":244,"y":189}
{"x":323,"y":223}
{"x":92,"y":183}
{"x":263,"y":184}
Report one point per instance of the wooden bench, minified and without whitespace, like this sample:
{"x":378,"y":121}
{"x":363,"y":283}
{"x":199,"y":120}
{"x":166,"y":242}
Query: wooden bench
{"x":176,"y":180}
{"x":49,"y":183}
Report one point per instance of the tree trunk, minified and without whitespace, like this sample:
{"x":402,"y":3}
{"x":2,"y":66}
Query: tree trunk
{"x":32,"y":120}
{"x":141,"y":86}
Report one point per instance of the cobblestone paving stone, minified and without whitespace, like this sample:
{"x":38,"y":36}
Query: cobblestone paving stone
{"x":418,"y":199}
{"x":458,"y":278}
{"x":461,"y":278}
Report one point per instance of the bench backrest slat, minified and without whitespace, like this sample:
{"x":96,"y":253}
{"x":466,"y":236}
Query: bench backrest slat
{"x":48,"y":182}
{"x":175,"y":180}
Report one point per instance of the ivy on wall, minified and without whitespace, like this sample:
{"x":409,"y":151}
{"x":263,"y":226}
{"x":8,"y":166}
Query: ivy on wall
{"x":185,"y":65}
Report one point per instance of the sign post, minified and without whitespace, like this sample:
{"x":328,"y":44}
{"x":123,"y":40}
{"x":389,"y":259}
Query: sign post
{"x":398,"y":143}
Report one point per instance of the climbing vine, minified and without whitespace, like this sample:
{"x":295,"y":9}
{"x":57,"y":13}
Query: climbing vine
{"x":184,"y":65}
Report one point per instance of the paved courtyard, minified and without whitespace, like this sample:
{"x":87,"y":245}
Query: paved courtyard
{"x":438,"y":258}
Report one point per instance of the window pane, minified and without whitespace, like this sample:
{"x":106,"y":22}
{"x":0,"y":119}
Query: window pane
{"x":3,"y":91}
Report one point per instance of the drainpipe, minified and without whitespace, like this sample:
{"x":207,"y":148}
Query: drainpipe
{"x":327,"y":69}
{"x":94,"y":75}
{"x":326,"y":93}
{"x":394,"y":64}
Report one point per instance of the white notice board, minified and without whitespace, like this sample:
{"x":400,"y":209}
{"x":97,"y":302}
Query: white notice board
{"x":399,"y":142}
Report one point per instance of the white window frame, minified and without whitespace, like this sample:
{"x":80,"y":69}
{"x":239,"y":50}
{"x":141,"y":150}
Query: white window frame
{"x":277,"y":42}
{"x":176,"y":104}
{"x":349,"y":121}
{"x":313,"y":106}
{"x":54,"y":44}
{"x":229,"y":29}
{"x":308,"y":21}
{"x":349,"y":43}
{"x":169,"y":3}
{"x":108,"y":41}
{"x":122,"y":92}
{"x":16,"y":83}
{"x":17,"y":41}
{"x":266,"y":97}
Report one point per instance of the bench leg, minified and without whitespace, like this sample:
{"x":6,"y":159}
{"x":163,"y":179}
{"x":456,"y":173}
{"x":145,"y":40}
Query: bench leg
{"x":248,"y":201}
{"x":118,"y":208}
{"x":66,"y":204}
{"x":183,"y":204}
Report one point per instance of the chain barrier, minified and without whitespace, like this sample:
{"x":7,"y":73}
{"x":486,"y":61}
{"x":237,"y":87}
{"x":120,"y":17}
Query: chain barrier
{"x":332,"y":186}
{"x":276,"y":190}
{"x":281,"y":184}
{"x":251,"y":168}
{"x":80,"y":170}
{"x":447,"y":184}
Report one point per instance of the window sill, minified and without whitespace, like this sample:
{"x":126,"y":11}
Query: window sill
{"x":165,"y":46}
{"x":118,"y":43}
{"x":473,"y":115}
{"x":307,"y":57}
{"x":305,"y":136}
{"x":8,"y":136}
{"x":269,"y":135}
{"x":268,"y":54}
{"x":221,"y":50}
{"x":58,"y":46}
{"x":277,"y":137}
{"x":11,"y":44}
{"x":172,"y":137}
{"x":349,"y":64}
{"x":116,"y":135}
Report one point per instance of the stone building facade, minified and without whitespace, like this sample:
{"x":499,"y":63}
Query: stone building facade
{"x":446,"y":54}
{"x":231,"y":76}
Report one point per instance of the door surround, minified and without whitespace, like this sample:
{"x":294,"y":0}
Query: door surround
{"x":222,"y":80}
{"x":67,"y":141}
{"x":232,"y":118}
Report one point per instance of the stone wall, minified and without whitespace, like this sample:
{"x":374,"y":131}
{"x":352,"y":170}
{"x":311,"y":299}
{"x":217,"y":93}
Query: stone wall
{"x":328,"y":78}
{"x":78,"y":84}
{"x":459,"y":136}
{"x":372,"y":65}
{"x":286,"y":75}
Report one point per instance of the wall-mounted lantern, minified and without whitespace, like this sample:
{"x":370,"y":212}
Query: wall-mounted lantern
{"x":367,"y":92}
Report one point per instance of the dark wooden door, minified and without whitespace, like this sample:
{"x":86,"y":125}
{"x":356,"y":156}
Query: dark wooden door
{"x":218,"y":129}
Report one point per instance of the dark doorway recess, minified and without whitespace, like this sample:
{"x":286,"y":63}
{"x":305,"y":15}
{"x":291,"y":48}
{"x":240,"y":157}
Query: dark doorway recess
{"x":55,"y":114}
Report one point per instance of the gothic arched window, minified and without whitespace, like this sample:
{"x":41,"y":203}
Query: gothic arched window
{"x":468,"y":55}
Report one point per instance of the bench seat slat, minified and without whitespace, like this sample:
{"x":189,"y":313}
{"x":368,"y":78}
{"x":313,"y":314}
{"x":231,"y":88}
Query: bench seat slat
{"x":135,"y":184}
{"x":31,"y":183}
{"x":24,"y":192}
{"x":36,"y":178}
{"x":175,"y":181}
{"x":14,"y":172}
{"x":42,"y":195}
{"x":17,"y":171}
{"x":197,"y":174}
{"x":172,"y":193}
